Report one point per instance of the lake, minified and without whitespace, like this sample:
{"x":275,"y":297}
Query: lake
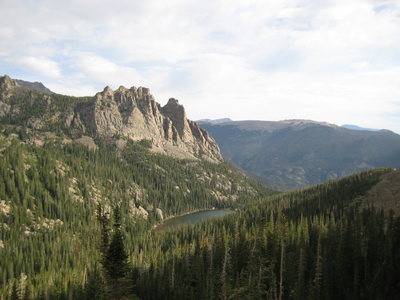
{"x":192,"y":218}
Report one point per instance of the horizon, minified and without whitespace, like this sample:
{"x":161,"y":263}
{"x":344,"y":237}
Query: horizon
{"x":247,"y":60}
{"x":357,"y":127}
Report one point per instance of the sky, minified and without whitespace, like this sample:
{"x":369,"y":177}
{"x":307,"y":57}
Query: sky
{"x":334,"y":61}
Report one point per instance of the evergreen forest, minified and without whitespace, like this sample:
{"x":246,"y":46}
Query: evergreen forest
{"x":78,"y":221}
{"x":49,"y":197}
{"x":68,"y":231}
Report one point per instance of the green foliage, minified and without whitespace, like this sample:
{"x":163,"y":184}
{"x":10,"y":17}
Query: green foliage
{"x":52,"y":193}
{"x":30,"y":109}
{"x":318,"y":243}
{"x":115,"y":261}
{"x":145,"y":143}
{"x":115,"y":264}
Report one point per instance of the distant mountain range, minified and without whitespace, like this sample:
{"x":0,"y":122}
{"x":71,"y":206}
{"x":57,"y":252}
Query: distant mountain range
{"x":297,"y":153}
{"x":216,"y":121}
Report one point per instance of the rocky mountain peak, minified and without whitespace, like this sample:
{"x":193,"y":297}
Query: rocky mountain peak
{"x":7,"y":86}
{"x":117,"y":115}
{"x":173,"y":102}
{"x":6,"y":82}
{"x":122,"y":89}
{"x":176,"y":112}
{"x":134,"y":114}
{"x":107,"y":89}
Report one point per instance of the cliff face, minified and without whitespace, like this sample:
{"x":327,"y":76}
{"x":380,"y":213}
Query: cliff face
{"x":133,"y":113}
{"x":129,"y":113}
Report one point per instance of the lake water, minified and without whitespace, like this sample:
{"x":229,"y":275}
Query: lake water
{"x":193,"y":218}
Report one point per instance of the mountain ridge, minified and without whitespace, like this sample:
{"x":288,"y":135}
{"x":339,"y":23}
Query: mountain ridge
{"x":298,"y":153}
{"x":40,"y":87}
{"x":287,"y":122}
{"x":121,"y":114}
{"x":355,"y":127}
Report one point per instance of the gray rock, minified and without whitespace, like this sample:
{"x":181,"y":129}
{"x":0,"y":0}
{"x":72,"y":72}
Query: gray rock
{"x":133,"y":113}
{"x":159,"y":214}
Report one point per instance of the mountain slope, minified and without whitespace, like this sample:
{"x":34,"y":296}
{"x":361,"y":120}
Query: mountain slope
{"x":323,"y":242}
{"x":355,"y":127}
{"x":386,"y":194}
{"x":298,"y":153}
{"x":34,"y":85}
{"x":60,"y":157}
{"x":125,"y":113}
{"x":49,"y":195}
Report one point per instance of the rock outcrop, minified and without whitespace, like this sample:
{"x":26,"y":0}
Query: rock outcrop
{"x":7,"y":86}
{"x":159,"y":214}
{"x":119,"y":115}
{"x":133,"y":113}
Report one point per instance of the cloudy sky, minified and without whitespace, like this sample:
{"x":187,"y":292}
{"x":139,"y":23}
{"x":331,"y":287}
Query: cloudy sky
{"x":335,"y":61}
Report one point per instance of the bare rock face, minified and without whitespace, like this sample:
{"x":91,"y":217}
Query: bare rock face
{"x":6,"y":86}
{"x":133,"y":113}
{"x":6,"y":82}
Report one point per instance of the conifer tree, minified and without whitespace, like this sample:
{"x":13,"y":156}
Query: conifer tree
{"x":115,"y":262}
{"x":14,"y":292}
{"x":104,"y":230}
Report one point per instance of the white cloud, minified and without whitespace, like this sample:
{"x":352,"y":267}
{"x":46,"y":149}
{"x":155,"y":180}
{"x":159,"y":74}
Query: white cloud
{"x":361,"y":65}
{"x":41,"y":66}
{"x":335,"y":60}
{"x":101,"y":69}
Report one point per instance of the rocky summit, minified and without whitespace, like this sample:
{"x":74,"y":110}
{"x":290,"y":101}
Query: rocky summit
{"x":120,"y":115}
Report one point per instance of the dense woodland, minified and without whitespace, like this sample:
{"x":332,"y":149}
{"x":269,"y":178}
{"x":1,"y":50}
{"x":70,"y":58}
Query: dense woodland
{"x":49,"y":195}
{"x":318,"y":243}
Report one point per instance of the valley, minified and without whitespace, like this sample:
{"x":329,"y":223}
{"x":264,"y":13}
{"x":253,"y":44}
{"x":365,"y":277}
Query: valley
{"x":96,"y":194}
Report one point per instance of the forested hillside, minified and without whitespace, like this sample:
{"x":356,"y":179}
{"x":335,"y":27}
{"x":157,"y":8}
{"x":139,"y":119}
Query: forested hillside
{"x":49,"y":236}
{"x":320,"y":243}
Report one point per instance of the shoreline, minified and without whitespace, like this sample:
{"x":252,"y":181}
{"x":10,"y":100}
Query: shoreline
{"x":189,"y":213}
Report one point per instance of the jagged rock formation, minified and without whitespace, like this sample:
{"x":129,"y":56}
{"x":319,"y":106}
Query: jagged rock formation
{"x":133,"y":113}
{"x":7,"y":85}
{"x":124,"y":113}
